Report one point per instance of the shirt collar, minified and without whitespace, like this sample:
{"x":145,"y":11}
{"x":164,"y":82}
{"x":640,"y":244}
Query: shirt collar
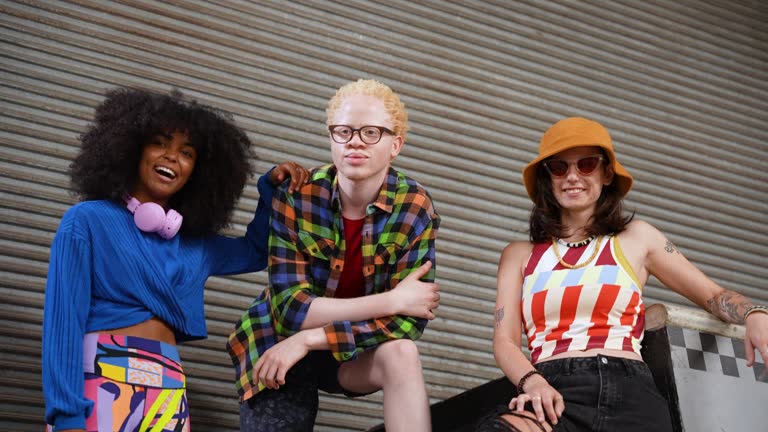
{"x":386,"y":199}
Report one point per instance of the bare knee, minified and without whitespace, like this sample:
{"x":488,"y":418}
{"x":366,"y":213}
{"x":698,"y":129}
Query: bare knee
{"x":403,"y":350}
{"x":393,"y":363}
{"x":399,"y":357}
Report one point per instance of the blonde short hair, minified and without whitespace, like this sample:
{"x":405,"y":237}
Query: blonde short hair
{"x":368,"y":87}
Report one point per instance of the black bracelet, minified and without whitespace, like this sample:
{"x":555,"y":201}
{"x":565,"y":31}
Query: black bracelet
{"x":756,"y":308}
{"x":525,"y":377}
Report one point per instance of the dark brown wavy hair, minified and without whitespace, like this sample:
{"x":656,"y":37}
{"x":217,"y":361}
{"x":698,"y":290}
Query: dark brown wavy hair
{"x":107,"y":164}
{"x":544,"y":223}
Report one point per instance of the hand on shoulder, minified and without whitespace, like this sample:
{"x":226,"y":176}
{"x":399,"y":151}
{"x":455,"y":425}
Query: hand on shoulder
{"x":297,"y":174}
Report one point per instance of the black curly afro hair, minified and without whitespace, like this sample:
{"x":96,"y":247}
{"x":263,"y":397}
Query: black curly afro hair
{"x":107,"y":165}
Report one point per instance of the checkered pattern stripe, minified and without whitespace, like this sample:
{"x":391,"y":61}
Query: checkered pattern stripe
{"x":692,"y":349}
{"x":306,"y":248}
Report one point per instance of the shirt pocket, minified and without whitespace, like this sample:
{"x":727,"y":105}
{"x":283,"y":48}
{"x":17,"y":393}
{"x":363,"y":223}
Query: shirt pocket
{"x":316,"y":246}
{"x":387,"y":254}
{"x":319,"y":251}
{"x":385,"y":264}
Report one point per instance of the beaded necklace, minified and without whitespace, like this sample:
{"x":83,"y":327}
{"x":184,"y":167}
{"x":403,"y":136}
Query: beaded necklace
{"x":577,"y":244}
{"x":576,"y":266}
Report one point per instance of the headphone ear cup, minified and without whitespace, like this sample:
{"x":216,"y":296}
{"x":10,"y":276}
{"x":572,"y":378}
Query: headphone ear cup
{"x":149,"y":217}
{"x":172,"y":224}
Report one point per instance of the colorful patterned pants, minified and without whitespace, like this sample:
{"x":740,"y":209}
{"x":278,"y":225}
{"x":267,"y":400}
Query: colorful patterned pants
{"x":136,"y":385}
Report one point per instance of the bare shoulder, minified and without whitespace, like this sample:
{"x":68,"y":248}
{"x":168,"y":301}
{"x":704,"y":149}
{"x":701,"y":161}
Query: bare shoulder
{"x":639,"y":226}
{"x":515,"y":256}
{"x":511,"y":272}
{"x":646,"y":238}
{"x":516,"y":249}
{"x":642,"y":232}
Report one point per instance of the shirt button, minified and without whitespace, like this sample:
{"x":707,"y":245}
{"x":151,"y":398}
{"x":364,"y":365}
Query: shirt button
{"x":604,"y":360}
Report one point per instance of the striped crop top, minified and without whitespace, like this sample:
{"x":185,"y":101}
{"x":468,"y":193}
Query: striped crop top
{"x":599,"y":305}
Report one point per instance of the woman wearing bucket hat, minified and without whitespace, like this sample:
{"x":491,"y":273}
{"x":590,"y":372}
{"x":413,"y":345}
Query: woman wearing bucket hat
{"x":576,"y":287}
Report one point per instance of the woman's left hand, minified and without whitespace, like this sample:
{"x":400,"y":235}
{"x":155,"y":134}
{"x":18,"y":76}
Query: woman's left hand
{"x":756,"y":337}
{"x":288,"y":169}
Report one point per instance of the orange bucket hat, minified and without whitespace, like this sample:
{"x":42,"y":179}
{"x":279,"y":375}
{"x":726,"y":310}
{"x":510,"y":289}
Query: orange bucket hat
{"x":575,"y":132}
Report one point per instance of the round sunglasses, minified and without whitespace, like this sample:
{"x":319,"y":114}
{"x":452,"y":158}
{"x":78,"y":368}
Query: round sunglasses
{"x":585,"y":166}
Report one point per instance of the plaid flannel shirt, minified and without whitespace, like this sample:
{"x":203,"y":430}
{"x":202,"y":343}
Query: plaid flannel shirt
{"x":306,"y":248}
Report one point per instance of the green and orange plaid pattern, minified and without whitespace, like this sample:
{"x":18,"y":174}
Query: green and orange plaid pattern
{"x":306,"y":247}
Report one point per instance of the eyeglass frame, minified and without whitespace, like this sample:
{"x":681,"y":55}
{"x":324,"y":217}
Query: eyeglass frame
{"x":381,"y":129}
{"x":600,"y":158}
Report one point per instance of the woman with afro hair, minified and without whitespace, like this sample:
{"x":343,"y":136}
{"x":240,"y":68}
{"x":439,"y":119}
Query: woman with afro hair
{"x":159,"y":176}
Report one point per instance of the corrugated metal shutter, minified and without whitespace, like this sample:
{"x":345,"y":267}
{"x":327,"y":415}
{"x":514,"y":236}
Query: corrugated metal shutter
{"x":681,"y":85}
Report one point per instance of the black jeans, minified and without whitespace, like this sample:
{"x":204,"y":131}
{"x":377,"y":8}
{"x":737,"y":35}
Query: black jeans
{"x":603,"y":394}
{"x":293,"y":407}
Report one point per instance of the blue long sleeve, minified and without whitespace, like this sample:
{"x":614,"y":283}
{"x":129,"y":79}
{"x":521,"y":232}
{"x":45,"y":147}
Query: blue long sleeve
{"x":248,"y":253}
{"x":104,"y":273}
{"x":67,"y":298}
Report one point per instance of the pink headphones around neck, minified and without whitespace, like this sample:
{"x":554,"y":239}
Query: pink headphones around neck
{"x":151,"y":217}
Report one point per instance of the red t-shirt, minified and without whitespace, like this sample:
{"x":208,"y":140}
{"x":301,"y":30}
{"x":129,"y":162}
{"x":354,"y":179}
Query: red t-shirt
{"x":352,"y":281}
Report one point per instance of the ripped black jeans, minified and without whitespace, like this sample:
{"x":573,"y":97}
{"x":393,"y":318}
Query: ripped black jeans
{"x":293,"y":407}
{"x":601,"y":394}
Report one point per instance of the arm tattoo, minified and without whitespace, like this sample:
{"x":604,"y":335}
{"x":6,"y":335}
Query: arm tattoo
{"x":671,"y":248}
{"x":729,"y":306}
{"x":498,"y":316}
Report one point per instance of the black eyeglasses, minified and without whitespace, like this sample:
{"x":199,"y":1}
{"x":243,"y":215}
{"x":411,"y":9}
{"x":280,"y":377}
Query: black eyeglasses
{"x":370,"y":135}
{"x":585,"y":166}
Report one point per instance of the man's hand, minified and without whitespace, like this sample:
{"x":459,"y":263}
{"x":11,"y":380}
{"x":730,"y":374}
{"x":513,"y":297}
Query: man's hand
{"x":275,"y":363}
{"x":415,"y":298}
{"x":292,"y":170}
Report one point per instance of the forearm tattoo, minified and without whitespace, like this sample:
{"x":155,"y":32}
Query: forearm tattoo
{"x":729,"y":306}
{"x":498,"y":316}
{"x":671,"y":248}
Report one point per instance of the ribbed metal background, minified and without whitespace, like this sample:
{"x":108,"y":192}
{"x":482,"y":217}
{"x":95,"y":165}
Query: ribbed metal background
{"x":682,"y":86}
